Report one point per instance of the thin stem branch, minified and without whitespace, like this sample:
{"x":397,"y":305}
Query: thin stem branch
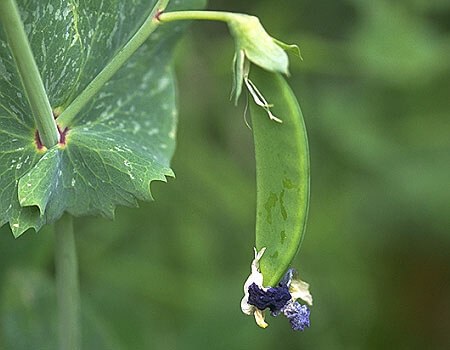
{"x":201,"y":15}
{"x":149,"y":26}
{"x":67,"y":290}
{"x":29,"y":73}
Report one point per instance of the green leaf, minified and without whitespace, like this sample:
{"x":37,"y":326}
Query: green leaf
{"x":118,"y":143}
{"x":282,"y":173}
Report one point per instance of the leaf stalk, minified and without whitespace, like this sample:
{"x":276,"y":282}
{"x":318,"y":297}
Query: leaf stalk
{"x":156,"y":18}
{"x":148,"y":27}
{"x":28,"y":72}
{"x":197,"y":15}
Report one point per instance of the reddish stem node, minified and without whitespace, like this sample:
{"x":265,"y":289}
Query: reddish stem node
{"x":62,"y":138}
{"x":157,"y":14}
{"x":37,"y":138}
{"x":62,"y":135}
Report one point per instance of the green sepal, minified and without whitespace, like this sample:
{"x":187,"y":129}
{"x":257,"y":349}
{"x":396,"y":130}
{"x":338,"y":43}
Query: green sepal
{"x":238,"y":75}
{"x":258,"y":46}
{"x":292,"y":48}
{"x":255,"y":45}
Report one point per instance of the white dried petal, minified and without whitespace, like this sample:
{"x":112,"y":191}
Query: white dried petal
{"x":257,"y":278}
{"x":300,"y":290}
{"x":259,"y":318}
{"x":255,"y":275}
{"x":246,"y":307}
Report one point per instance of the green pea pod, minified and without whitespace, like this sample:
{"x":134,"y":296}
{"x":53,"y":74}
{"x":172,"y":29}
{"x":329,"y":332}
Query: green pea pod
{"x":282,"y":175}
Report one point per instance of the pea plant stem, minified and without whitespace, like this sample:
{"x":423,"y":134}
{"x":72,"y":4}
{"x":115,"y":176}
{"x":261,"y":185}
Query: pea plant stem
{"x":67,"y":290}
{"x":148,"y":27}
{"x":29,"y":73}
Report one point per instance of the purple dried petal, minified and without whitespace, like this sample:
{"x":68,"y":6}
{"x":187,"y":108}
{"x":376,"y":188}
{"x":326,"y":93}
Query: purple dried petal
{"x":298,"y":316}
{"x":273,"y":298}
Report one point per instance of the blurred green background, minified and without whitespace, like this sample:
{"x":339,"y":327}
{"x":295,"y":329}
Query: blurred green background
{"x":374,"y":87}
